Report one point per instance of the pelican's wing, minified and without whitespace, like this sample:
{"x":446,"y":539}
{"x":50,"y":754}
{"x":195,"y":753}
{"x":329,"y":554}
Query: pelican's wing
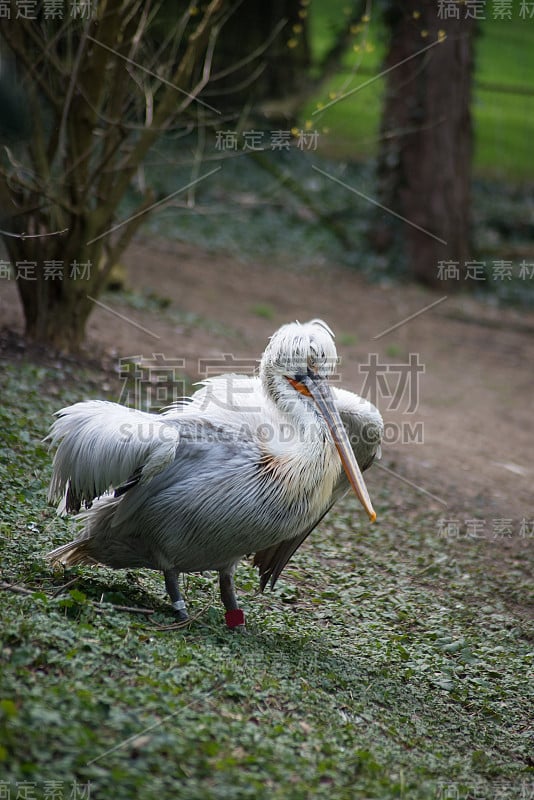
{"x":103,"y":445}
{"x":272,"y":560}
{"x":355,"y":414}
{"x":222,"y":397}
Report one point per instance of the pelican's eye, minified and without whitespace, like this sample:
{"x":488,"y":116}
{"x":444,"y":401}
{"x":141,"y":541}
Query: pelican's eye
{"x":313,"y":367}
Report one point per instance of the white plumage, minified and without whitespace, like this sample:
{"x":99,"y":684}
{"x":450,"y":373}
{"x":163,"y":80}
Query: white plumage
{"x":247,"y":465}
{"x":102,"y":444}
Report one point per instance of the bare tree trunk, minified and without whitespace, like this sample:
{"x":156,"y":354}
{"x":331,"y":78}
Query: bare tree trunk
{"x":97,"y":105}
{"x":424,"y":168}
{"x":56,"y":279}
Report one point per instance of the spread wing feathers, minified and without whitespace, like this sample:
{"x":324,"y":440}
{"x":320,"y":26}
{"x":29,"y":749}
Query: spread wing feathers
{"x":221,"y":398}
{"x":104,"y":445}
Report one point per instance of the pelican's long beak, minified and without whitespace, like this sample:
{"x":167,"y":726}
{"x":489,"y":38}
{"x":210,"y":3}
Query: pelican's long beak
{"x":319,"y":390}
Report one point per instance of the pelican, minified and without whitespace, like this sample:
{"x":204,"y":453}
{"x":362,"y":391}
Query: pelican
{"x":247,"y":465}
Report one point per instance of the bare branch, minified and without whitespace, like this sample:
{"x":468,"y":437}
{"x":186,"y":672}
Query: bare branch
{"x":170,"y":46}
{"x":161,"y":78}
{"x":12,"y":587}
{"x":166,"y":109}
{"x":238,"y":87}
{"x":23,"y":55}
{"x":88,"y":89}
{"x":223,"y":73}
{"x":72,"y":83}
{"x":32,"y":235}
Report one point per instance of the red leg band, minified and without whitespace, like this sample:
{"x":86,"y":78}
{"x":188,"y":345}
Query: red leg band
{"x":235,"y":617}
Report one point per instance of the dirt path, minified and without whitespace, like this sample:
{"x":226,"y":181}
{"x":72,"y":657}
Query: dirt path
{"x":474,"y":398}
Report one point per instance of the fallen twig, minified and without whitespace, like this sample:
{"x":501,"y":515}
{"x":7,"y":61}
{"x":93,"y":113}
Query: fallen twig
{"x":13,"y":587}
{"x":65,"y":586}
{"x":131,"y":609}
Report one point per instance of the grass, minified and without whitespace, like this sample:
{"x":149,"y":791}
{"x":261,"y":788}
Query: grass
{"x":149,"y":301}
{"x":503,"y":120}
{"x":349,"y":129}
{"x":264,"y":311}
{"x":390,"y":662}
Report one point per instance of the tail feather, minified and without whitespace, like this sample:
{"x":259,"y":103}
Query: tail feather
{"x":102,"y":444}
{"x":91,"y":539}
{"x":72,"y":554}
{"x":103,"y":544}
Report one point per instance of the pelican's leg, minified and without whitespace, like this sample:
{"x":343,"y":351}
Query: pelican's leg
{"x":235,"y":618}
{"x":171,"y":584}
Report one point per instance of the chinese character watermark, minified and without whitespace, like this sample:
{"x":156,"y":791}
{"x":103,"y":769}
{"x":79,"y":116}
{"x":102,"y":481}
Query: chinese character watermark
{"x":151,"y":383}
{"x":31,"y":10}
{"x":45,"y":790}
{"x":496,"y":270}
{"x":257,"y":140}
{"x":503,"y":10}
{"x":496,"y":528}
{"x":48,"y":270}
{"x":398,"y":384}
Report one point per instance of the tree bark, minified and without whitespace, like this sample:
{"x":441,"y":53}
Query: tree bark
{"x":56,"y":276}
{"x":60,"y":191}
{"x":424,"y":166}
{"x":59,"y":320}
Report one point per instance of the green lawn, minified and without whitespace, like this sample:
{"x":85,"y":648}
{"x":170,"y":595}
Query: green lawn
{"x":503,"y":120}
{"x":390,"y":662}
